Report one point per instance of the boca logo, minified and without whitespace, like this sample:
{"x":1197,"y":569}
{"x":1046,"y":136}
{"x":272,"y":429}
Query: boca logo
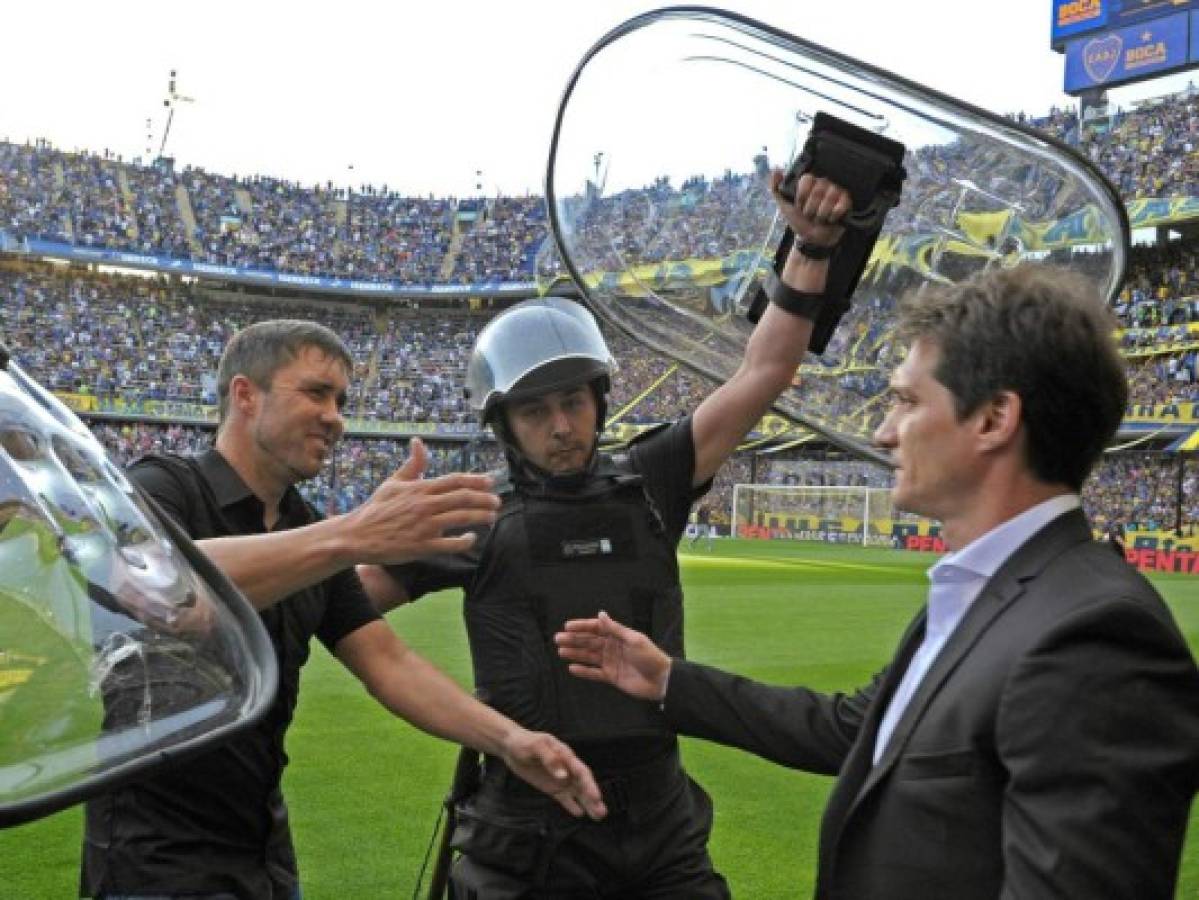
{"x":1076,"y":11}
{"x":1149,"y":53}
{"x":1100,"y":56}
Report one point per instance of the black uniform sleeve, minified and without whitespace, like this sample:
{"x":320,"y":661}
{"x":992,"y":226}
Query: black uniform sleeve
{"x":666,"y":460}
{"x":437,"y":573}
{"x":348,"y":609}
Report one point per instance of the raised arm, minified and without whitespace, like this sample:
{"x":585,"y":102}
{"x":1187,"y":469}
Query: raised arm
{"x":779,"y":341}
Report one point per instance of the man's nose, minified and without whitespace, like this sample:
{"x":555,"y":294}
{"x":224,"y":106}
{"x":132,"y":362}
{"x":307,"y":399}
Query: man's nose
{"x":333,"y":417}
{"x":884,"y":435}
{"x":561,"y":422}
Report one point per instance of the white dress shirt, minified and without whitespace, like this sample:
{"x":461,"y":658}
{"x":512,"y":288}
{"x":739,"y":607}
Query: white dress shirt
{"x":956,"y":580}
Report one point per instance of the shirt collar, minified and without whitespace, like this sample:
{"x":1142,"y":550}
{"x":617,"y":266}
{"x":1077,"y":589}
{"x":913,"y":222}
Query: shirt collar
{"x":983,"y":556}
{"x":229,"y":489}
{"x":226,"y":484}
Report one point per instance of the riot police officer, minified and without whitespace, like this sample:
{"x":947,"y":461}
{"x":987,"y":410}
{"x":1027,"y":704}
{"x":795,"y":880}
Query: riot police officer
{"x":580,"y":531}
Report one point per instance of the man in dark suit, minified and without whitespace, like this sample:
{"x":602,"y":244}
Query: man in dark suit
{"x":1037,"y":733}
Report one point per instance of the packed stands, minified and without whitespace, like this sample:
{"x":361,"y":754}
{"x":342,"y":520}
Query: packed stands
{"x":144,"y":340}
{"x":1148,"y":151}
{"x":502,"y":244}
{"x":373,"y":233}
{"x":145,"y":348}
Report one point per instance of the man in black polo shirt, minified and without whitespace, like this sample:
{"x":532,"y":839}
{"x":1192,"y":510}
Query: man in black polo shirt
{"x":215,"y":827}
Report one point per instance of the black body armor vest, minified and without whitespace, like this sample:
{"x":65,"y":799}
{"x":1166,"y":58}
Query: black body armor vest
{"x":556,"y":554}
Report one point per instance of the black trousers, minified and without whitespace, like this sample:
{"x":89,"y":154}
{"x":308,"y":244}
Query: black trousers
{"x":653,"y":845}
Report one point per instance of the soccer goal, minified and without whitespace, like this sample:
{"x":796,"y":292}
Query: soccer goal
{"x":839,"y":514}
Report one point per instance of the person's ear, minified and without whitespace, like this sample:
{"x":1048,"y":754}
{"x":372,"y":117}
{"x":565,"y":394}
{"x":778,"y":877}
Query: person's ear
{"x":1000,"y":420}
{"x":243,"y":395}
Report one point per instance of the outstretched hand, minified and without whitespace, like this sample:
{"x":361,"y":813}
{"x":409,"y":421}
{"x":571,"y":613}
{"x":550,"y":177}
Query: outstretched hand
{"x":408,"y":516}
{"x":552,"y":767}
{"x":818,"y":210}
{"x":601,"y":649}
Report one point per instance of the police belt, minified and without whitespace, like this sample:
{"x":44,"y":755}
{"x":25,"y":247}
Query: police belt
{"x":622,"y":788}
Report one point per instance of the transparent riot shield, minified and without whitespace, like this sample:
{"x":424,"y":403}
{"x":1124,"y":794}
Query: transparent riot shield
{"x":660,"y":212}
{"x":120,"y":645}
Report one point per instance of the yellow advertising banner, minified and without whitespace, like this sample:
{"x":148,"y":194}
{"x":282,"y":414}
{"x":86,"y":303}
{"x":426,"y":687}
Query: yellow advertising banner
{"x":83,"y":403}
{"x":1163,"y":551}
{"x":1162,"y":414}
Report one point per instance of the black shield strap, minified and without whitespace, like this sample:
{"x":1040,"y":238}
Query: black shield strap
{"x":870,"y":167}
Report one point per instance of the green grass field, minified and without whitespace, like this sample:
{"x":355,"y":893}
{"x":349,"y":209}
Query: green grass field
{"x":364,"y":788}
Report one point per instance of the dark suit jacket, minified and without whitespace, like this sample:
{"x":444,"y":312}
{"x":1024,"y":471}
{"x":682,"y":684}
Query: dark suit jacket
{"x":1052,"y":749}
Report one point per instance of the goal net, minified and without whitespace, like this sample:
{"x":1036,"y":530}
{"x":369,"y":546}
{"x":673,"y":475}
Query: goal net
{"x":838,"y":514}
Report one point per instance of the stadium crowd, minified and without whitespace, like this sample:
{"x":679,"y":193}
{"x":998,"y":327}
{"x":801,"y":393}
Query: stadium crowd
{"x":147,"y":346}
{"x":134,"y":342}
{"x":371,"y":232}
{"x":1138,"y":491}
{"x":1147,"y":151}
{"x":258,"y":222}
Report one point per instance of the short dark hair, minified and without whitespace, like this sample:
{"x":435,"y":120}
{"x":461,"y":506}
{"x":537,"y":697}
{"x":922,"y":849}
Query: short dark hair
{"x":1042,"y":332}
{"x":260,"y":350}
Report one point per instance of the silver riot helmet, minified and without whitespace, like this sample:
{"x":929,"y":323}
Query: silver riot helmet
{"x":120,"y":644}
{"x":535,"y":347}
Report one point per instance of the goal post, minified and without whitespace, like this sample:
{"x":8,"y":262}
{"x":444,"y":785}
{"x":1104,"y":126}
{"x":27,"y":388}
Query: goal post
{"x":840,"y":513}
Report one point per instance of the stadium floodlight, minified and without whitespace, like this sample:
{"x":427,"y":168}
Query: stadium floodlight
{"x":671,"y":245}
{"x":173,"y":99}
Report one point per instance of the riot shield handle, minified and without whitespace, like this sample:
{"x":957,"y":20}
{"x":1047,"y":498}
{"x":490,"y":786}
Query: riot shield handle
{"x":870,"y":167}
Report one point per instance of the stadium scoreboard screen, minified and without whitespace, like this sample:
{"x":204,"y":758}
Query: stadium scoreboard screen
{"x":1113,"y":42}
{"x":1072,"y":18}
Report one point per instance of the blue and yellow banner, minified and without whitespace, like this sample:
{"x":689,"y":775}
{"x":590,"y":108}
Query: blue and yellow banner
{"x":1145,"y":212}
